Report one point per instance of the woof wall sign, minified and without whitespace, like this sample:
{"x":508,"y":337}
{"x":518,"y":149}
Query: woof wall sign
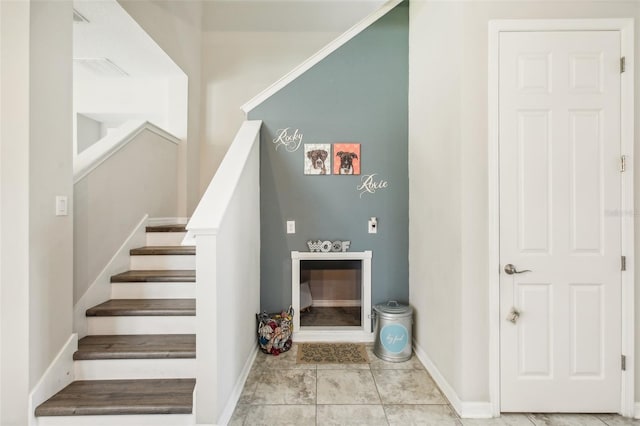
{"x":328,"y":246}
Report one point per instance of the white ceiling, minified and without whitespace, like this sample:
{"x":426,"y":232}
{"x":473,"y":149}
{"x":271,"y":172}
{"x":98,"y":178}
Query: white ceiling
{"x":111,"y":33}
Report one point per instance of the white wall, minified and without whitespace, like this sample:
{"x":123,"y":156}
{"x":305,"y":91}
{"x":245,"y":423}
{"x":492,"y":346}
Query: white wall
{"x":121,"y":99}
{"x":111,"y":200}
{"x":176,"y":28}
{"x":35,"y":162}
{"x":448,"y":174}
{"x":236,"y":66}
{"x":50,"y":174}
{"x":88,"y":131}
{"x":14,"y":212}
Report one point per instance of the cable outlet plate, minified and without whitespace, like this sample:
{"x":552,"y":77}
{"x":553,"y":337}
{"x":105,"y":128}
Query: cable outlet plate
{"x":373,"y":225}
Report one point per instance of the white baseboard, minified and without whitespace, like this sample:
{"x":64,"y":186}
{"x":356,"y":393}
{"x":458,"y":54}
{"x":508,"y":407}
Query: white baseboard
{"x":227,"y":412}
{"x":160,"y":221}
{"x":100,"y":289}
{"x":58,"y":375}
{"x":465,"y":409}
{"x":335,"y":303}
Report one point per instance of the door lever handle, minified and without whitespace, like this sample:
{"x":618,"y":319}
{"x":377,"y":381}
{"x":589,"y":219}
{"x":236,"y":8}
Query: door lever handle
{"x":510,"y":269}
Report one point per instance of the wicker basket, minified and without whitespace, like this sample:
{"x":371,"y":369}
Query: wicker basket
{"x":275,"y":331}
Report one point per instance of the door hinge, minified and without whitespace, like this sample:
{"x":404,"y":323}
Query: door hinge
{"x":623,"y":163}
{"x":623,"y":263}
{"x":623,"y":362}
{"x":623,"y":64}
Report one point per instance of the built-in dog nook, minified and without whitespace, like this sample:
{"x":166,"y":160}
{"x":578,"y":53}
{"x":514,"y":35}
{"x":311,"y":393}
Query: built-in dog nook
{"x":331,"y":296}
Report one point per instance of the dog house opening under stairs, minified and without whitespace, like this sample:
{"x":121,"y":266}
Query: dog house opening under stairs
{"x":338,"y":283}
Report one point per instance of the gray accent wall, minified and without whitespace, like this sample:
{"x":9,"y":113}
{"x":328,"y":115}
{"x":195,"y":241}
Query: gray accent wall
{"x":358,"y":94}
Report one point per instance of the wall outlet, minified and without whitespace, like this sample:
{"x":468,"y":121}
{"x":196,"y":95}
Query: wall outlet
{"x":373,"y":225}
{"x":291,"y":227}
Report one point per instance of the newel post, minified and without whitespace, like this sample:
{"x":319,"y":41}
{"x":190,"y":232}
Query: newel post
{"x":206,"y":330}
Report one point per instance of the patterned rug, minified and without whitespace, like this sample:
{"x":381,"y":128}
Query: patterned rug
{"x":332,"y":353}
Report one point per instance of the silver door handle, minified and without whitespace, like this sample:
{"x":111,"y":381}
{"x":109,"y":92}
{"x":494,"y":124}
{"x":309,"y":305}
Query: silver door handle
{"x":510,"y":269}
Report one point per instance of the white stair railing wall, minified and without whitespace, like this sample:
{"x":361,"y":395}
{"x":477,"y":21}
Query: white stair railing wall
{"x":226,"y":230}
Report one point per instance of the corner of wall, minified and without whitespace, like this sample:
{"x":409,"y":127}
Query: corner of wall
{"x":465,"y":409}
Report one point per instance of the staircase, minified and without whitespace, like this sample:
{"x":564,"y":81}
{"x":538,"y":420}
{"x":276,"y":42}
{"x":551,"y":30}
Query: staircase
{"x":136,"y":366}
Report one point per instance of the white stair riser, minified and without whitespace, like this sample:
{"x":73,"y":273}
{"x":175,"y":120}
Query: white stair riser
{"x":153,"y":290}
{"x":162,"y":262}
{"x":165,"y":238}
{"x":141,"y":325}
{"x":125,"y":420}
{"x":115,"y":369}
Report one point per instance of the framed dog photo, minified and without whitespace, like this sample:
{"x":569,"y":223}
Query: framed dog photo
{"x":317,"y":159}
{"x":346,"y":158}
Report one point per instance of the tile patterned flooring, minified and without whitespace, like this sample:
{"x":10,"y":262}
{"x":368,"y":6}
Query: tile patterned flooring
{"x":280,"y":392}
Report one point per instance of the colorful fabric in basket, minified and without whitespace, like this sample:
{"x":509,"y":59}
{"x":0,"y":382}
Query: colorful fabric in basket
{"x":274,"y":331}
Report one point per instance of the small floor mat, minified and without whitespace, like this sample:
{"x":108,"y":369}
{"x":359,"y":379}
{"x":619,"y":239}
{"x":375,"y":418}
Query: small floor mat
{"x":332,"y":353}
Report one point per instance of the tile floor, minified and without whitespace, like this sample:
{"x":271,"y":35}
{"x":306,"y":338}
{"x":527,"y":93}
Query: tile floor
{"x":280,"y":392}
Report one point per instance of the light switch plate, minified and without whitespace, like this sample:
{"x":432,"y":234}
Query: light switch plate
{"x":62,"y":208}
{"x":291,"y":227}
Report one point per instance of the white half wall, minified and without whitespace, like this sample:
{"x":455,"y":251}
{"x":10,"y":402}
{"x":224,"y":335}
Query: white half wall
{"x":448,"y":176}
{"x":226,"y":228}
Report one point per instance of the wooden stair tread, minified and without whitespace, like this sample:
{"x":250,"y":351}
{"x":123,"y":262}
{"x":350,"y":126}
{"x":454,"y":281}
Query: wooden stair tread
{"x":144,"y":307}
{"x":144,"y":346}
{"x":163,"y":250}
{"x":167,"y":228}
{"x":155,"y":276}
{"x":117,"y":397}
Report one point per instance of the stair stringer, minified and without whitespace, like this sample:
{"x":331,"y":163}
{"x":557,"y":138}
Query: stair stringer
{"x":100,"y":289}
{"x":59,"y":374}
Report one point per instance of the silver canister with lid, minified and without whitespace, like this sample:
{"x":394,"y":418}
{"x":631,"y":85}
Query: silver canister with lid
{"x":392,"y":329}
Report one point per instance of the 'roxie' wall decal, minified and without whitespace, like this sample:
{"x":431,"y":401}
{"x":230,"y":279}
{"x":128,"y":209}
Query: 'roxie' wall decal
{"x":370,"y":185}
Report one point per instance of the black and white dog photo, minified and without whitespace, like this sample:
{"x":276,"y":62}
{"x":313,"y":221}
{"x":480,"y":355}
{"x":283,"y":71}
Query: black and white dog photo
{"x":346,"y":162}
{"x":317,"y":160}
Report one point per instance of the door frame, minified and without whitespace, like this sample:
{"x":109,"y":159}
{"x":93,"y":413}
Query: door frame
{"x":626,"y":28}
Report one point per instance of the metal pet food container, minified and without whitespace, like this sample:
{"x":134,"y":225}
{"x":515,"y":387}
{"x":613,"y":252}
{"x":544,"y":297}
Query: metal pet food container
{"x":392,"y":327}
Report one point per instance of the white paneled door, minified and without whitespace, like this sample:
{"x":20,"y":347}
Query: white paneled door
{"x":560,"y":221}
